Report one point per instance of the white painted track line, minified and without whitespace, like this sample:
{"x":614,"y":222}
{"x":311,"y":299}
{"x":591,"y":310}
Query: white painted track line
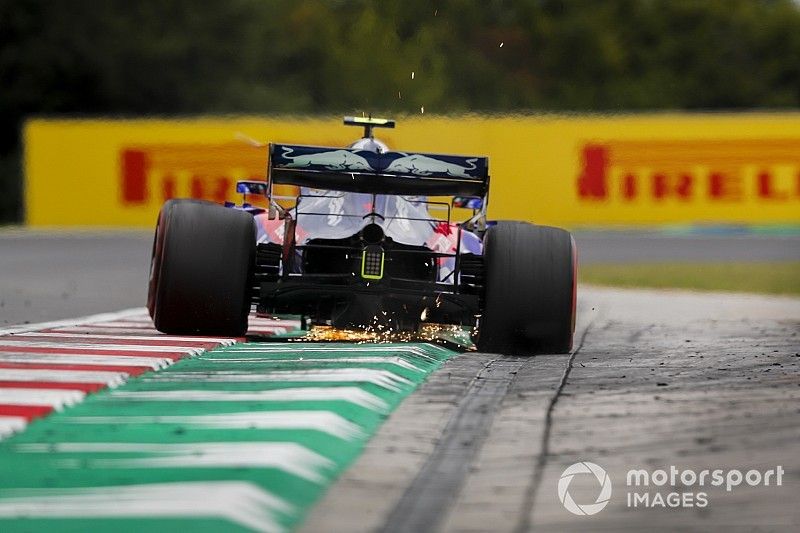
{"x":241,"y":502}
{"x":322,"y":421}
{"x":289,"y":457}
{"x":354,"y":395}
{"x":129,"y":333}
{"x":71,"y":359}
{"x":15,"y":342}
{"x":382,"y":378}
{"x":41,"y":375}
{"x":367,"y":359}
{"x":56,"y":398}
{"x":223,"y":341}
{"x":11,"y":424}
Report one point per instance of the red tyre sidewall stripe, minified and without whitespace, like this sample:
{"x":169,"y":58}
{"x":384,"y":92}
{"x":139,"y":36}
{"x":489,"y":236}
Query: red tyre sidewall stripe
{"x":155,"y":268}
{"x":574,"y":287}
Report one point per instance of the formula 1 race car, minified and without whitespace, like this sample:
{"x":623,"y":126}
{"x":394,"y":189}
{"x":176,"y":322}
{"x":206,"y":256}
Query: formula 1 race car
{"x":369,"y":239}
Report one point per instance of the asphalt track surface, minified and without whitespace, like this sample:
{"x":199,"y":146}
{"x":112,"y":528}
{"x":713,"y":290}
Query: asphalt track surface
{"x":656,"y":379}
{"x":56,"y":275}
{"x":697,"y":381}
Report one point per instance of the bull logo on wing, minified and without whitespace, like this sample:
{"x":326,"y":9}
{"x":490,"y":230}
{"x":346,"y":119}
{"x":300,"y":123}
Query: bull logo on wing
{"x":421,"y":165}
{"x":331,"y":160}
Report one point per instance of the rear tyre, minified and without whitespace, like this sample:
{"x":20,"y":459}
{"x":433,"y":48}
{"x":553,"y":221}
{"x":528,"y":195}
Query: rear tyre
{"x":201,"y":269}
{"x":529,"y":295}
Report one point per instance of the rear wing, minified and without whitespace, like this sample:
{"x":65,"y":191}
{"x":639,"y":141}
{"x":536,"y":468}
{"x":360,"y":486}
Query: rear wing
{"x":403,"y":173}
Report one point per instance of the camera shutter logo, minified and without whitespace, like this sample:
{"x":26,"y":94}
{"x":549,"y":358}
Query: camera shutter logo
{"x":585,"y":509}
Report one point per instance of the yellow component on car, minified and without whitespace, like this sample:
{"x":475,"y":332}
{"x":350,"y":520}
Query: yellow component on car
{"x":372,"y":259}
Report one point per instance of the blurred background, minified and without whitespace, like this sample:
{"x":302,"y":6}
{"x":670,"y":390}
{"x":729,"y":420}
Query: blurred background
{"x":182,"y":57}
{"x":673,"y":122}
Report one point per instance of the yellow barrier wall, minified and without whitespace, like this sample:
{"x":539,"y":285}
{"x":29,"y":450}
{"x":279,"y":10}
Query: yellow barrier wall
{"x":641,"y":170}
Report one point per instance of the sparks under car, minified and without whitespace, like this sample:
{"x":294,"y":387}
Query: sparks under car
{"x":370,"y":237}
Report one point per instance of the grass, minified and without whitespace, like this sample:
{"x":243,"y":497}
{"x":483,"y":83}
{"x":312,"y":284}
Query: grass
{"x":756,"y":277}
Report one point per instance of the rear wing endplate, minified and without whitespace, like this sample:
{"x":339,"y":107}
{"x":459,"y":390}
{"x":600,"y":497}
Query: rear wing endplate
{"x":369,"y":172}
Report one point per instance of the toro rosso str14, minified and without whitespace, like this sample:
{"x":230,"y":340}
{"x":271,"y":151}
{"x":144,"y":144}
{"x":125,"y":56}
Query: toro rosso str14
{"x":370,"y":237}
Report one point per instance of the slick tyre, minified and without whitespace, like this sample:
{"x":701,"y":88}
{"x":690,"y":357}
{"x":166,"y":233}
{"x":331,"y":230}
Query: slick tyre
{"x":530,"y":290}
{"x":201,"y":269}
